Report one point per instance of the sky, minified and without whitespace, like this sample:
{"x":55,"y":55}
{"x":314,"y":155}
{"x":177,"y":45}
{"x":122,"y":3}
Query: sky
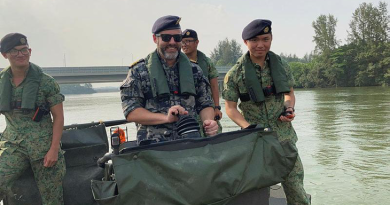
{"x":118,"y":32}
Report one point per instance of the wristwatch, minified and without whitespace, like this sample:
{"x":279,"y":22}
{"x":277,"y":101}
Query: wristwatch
{"x":217,"y":107}
{"x":291,"y":108}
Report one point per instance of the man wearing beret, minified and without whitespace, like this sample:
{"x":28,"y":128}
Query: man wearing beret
{"x":264,"y":84}
{"x":31,"y":137}
{"x":189,"y":44}
{"x":165,"y":84}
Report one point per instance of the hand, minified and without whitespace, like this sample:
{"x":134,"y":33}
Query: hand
{"x":217,"y":114}
{"x":51,"y":158}
{"x":289,"y":116}
{"x":173,"y":113}
{"x":210,"y":127}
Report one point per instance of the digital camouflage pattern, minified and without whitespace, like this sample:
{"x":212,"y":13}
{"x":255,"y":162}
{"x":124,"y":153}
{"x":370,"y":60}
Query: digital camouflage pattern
{"x":26,"y":142}
{"x":137,"y":84}
{"x":212,"y":73}
{"x":266,"y":114}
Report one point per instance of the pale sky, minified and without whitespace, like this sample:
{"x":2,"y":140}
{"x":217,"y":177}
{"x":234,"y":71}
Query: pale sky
{"x":118,"y":32}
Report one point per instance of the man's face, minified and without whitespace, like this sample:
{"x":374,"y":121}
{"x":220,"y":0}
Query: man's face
{"x":189,"y":45}
{"x":19,"y":56}
{"x":168,"y":50}
{"x":259,"y":45}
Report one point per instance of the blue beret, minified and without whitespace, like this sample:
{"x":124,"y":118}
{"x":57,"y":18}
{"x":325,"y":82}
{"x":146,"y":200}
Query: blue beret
{"x":166,"y":23}
{"x":11,"y":40}
{"x":189,"y":33}
{"x":255,"y":28}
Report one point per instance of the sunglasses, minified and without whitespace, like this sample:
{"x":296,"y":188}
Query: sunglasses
{"x":168,"y":37}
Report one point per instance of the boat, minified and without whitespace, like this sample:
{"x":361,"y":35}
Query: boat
{"x":100,"y":172}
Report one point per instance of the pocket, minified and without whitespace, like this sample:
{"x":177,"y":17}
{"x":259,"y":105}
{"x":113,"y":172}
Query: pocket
{"x":105,"y":192}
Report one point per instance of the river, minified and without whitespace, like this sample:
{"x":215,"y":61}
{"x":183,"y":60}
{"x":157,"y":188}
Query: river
{"x":344,"y":139}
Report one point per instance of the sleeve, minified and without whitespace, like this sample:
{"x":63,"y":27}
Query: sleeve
{"x":131,"y":92}
{"x":290,"y":77}
{"x":52,"y":91}
{"x":213,"y":73}
{"x":203,"y":97}
{"x":230,"y":89}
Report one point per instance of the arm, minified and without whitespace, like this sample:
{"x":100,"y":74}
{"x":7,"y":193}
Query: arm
{"x":289,"y":103}
{"x":58,"y":124}
{"x":234,"y":114}
{"x":145,"y":117}
{"x":215,"y":95}
{"x":210,"y":126}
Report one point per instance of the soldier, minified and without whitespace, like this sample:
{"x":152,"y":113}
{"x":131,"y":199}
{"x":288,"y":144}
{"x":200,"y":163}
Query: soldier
{"x":189,"y":44}
{"x":164,"y":84}
{"x":31,"y":137}
{"x":264,"y":84}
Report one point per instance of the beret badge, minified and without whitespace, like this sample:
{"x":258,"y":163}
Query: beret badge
{"x":266,"y":29}
{"x":23,"y":41}
{"x":188,"y":33}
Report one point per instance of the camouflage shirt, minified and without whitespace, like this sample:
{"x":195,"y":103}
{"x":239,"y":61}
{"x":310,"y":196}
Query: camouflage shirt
{"x":264,"y":113}
{"x":21,"y":130}
{"x":212,"y":71}
{"x":134,"y":95}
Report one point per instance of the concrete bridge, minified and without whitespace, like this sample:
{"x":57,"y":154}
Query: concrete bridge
{"x":99,"y":74}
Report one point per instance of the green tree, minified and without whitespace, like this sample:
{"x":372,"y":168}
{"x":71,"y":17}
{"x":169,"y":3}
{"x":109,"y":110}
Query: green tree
{"x":325,"y":34}
{"x":369,"y":24}
{"x":226,"y":53}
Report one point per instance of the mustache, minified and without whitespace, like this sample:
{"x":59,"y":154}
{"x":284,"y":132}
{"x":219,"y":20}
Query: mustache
{"x":171,"y":46}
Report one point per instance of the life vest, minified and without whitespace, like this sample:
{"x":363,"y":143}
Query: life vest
{"x":252,"y":82}
{"x":30,"y":89}
{"x":158,"y":80}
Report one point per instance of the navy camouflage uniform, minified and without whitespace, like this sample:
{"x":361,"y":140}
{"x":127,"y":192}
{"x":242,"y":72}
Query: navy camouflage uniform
{"x":137,"y":84}
{"x":25,"y":143}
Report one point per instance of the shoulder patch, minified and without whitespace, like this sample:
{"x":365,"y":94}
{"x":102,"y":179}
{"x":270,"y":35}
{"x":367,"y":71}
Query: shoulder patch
{"x":136,"y":62}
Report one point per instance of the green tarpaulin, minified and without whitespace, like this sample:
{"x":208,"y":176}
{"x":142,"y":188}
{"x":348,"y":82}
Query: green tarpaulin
{"x":209,"y":171}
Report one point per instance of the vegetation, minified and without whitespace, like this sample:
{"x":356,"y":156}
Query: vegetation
{"x":363,"y":61}
{"x":226,"y":53}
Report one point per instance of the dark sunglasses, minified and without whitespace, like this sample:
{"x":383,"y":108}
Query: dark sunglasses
{"x":167,"y":37}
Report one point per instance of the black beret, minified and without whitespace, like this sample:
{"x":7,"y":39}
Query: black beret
{"x":255,"y":28}
{"x":189,"y":33}
{"x":11,"y":40}
{"x":166,"y":23}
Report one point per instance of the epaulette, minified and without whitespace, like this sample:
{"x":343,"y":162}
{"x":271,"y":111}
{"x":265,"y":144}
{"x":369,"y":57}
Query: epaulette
{"x":136,"y":62}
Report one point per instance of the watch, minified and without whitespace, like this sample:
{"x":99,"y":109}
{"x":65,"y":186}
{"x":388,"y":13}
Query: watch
{"x":217,"y":107}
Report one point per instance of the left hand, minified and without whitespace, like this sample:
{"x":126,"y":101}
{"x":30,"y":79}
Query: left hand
{"x":51,"y":158}
{"x":210,"y":127}
{"x":289,"y":117}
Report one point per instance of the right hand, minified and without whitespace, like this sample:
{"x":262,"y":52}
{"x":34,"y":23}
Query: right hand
{"x":217,"y":114}
{"x":173,"y":113}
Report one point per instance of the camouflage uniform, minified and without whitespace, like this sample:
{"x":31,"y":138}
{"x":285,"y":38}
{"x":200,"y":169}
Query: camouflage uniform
{"x":25,"y":143}
{"x":266,"y":114}
{"x":137,"y":84}
{"x":212,"y":73}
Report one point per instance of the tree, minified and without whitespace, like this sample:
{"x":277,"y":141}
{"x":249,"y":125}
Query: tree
{"x":325,"y":34}
{"x":226,"y":53}
{"x":369,"y":24}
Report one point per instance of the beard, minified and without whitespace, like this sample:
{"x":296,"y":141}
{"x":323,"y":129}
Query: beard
{"x":169,"y":56}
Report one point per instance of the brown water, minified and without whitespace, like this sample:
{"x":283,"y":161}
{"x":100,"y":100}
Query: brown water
{"x":344,"y":139}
